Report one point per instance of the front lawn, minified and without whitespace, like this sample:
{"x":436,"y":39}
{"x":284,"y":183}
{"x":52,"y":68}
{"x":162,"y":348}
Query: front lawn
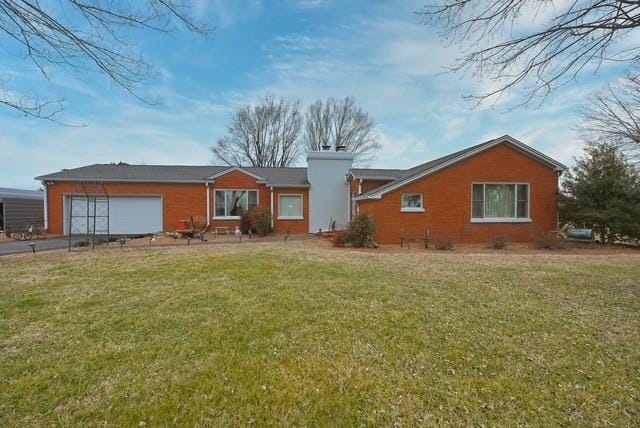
{"x":270,"y":335}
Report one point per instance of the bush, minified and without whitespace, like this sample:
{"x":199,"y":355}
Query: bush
{"x":549,"y":241}
{"x":499,"y":242}
{"x":339,"y":238}
{"x":198,"y":222}
{"x":361,"y":231}
{"x":261,"y":221}
{"x":246,"y":222}
{"x":443,"y":244}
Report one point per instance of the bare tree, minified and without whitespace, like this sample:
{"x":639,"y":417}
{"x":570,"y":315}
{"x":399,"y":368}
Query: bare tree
{"x":503,"y":42}
{"x":84,"y":36}
{"x":263,"y":135}
{"x":614,"y":116}
{"x":341,"y":124}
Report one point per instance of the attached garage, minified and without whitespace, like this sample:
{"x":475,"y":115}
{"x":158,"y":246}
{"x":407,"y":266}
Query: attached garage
{"x":113,"y":215}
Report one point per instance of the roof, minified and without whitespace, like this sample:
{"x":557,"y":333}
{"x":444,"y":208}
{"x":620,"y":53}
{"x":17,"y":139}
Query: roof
{"x":377,"y":174}
{"x":435,"y":165}
{"x":20,"y":194}
{"x":280,"y":177}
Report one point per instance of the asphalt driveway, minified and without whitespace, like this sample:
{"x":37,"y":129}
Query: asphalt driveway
{"x":16,"y":247}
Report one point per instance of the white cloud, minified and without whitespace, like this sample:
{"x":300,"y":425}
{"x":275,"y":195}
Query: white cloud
{"x":388,"y":61}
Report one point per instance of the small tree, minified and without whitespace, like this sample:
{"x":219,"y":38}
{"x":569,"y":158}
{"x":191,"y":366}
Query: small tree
{"x":602,"y":191}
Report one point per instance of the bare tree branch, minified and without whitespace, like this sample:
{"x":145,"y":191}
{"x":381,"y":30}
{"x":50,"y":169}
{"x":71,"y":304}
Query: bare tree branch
{"x":341,"y":123}
{"x":86,"y":36}
{"x":579,"y":35}
{"x":613,"y":116}
{"x":263,"y":135}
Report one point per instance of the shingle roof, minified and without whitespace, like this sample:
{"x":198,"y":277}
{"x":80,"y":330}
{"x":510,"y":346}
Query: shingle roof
{"x":377,"y":174}
{"x":282,"y":176}
{"x":173,"y":173}
{"x":433,"y":165}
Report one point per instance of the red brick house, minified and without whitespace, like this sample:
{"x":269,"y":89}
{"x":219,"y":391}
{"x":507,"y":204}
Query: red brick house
{"x":498,"y":188}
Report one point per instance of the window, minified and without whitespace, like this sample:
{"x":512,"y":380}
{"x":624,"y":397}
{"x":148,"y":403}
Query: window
{"x":500,"y":202}
{"x":232,"y":203}
{"x":412,"y":202}
{"x":290,"y":207}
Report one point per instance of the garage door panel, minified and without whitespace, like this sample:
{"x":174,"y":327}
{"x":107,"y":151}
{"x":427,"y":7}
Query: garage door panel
{"x":127,"y":215}
{"x":135,"y":215}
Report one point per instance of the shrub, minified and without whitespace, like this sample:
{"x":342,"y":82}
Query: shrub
{"x":261,"y":220}
{"x":550,"y":241}
{"x":499,"y":242}
{"x":443,"y":244}
{"x":246,"y":222}
{"x":339,"y":238}
{"x":198,"y":222}
{"x":361,"y":231}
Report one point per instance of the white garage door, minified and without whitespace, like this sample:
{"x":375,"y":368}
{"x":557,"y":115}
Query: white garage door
{"x":130,"y":215}
{"x":127,"y":215}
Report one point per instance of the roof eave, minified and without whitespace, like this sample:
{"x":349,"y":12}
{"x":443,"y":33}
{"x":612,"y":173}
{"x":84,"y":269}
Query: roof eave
{"x":290,"y":185}
{"x":236,"y":168}
{"x":541,"y":157}
{"x":374,"y":177}
{"x":120,"y":180}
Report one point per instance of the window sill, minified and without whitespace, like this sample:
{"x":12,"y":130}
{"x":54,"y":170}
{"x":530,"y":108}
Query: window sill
{"x":233,"y":217}
{"x":412,"y":210}
{"x":290,"y":218}
{"x":501,"y":220}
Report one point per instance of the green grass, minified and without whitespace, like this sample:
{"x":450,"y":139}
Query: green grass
{"x":306,"y":336}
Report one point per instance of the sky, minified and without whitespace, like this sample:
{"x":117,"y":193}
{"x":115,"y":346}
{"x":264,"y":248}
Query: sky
{"x":378,"y":52}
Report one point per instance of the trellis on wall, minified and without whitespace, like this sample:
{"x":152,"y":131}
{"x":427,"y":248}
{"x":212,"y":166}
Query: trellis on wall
{"x":88,"y":212}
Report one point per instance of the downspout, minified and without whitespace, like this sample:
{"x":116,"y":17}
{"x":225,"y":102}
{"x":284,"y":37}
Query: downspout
{"x":360,"y":187}
{"x":208,"y":194}
{"x":272,"y":214}
{"x":46,"y":206}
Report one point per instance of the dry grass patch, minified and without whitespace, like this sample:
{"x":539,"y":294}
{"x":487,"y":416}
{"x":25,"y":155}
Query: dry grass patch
{"x":269,"y":335}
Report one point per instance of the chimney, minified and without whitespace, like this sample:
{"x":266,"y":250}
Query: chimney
{"x":329,"y":197}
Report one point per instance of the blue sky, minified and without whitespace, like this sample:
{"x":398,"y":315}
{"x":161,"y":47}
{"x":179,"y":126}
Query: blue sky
{"x":377,"y":52}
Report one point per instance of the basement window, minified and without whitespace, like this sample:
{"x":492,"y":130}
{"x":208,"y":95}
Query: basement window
{"x":500,"y":202}
{"x":412,"y":203}
{"x":290,"y":207}
{"x":231,"y":204}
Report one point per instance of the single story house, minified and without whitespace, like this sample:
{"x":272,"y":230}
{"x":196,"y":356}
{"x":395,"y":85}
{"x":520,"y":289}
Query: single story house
{"x":501,"y":187}
{"x":20,"y":209}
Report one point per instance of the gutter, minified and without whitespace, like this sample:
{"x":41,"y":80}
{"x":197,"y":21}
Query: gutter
{"x":208,"y":195}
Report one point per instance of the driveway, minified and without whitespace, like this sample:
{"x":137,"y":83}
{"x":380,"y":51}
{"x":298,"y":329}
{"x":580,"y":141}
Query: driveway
{"x":15,"y":247}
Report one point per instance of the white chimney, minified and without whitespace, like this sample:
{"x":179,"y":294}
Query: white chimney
{"x":329,"y":192}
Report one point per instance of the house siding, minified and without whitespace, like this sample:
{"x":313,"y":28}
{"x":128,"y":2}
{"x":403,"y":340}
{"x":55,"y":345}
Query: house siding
{"x":447,"y":201}
{"x":181,"y":201}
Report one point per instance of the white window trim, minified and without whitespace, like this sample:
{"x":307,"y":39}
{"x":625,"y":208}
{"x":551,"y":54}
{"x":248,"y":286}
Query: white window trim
{"x":419,"y":209}
{"x":294,"y":217}
{"x":232,"y":217}
{"x":501,"y":220}
{"x":516,"y":219}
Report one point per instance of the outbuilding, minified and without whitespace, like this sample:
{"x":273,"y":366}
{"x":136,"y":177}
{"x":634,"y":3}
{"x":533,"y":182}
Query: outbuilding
{"x":20,"y":209}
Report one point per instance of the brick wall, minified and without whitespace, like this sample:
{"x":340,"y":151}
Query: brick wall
{"x":447,"y":201}
{"x":180,"y":201}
